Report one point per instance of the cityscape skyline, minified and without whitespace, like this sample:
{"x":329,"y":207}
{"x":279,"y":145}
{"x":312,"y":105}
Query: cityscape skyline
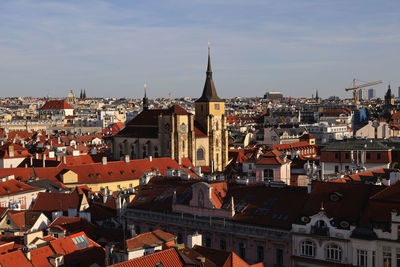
{"x":111,"y":49}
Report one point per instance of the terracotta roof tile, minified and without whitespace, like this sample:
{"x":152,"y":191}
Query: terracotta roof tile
{"x":56,"y":104}
{"x":168,"y":258}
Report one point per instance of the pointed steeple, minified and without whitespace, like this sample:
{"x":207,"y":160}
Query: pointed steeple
{"x":84,"y":94}
{"x":209,"y":92}
{"x":145,"y":99}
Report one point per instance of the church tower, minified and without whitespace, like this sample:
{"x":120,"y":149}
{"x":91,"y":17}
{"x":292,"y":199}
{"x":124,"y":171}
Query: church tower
{"x":210,"y":118}
{"x":145,"y":99}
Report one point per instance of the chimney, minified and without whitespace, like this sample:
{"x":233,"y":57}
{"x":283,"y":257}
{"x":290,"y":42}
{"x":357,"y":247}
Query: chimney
{"x":104,"y":161}
{"x":36,"y":155}
{"x":58,"y":158}
{"x":65,"y":159}
{"x":11,"y":151}
{"x":31,"y":159}
{"x":151,"y":159}
{"x":127,"y":160}
{"x":194,"y":239}
{"x":309,"y":188}
{"x":44,"y":160}
{"x":212,"y":166}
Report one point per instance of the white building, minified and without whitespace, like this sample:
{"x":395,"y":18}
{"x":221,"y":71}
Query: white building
{"x":325,"y":132}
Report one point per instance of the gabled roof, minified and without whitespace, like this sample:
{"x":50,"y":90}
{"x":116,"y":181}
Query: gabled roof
{"x":73,"y":225}
{"x":56,"y":104}
{"x":24,"y":219}
{"x":149,"y":239}
{"x":57,"y":201}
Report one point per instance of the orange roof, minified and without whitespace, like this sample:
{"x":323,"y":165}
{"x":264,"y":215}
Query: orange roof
{"x":168,"y":258}
{"x":19,"y":151}
{"x":39,"y":256}
{"x":56,"y":104}
{"x":15,"y":258}
{"x":156,"y":237}
{"x":12,"y":187}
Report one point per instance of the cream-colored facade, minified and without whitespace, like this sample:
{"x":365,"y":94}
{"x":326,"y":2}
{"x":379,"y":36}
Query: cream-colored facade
{"x":175,"y":133}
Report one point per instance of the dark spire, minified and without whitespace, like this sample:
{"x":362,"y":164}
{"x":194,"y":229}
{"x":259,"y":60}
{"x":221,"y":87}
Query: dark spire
{"x":209,"y":92}
{"x":81,"y":95}
{"x":84,"y":94}
{"x":145,"y":99}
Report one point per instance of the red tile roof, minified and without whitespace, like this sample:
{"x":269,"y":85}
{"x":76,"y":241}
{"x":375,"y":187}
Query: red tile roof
{"x":15,"y":258}
{"x":168,"y":258}
{"x":154,"y":238}
{"x":56,"y":201}
{"x":73,"y":225}
{"x":19,"y":151}
{"x":13,"y":187}
{"x":39,"y":256}
{"x":56,"y":104}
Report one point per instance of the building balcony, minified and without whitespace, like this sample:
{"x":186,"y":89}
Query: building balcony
{"x":214,"y":224}
{"x":318,"y":230}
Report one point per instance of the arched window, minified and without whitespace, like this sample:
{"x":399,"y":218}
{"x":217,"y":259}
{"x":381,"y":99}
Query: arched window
{"x":144,"y":151}
{"x":201,"y":199}
{"x":216,"y":142}
{"x":333,"y":252}
{"x":200,"y":154}
{"x":156,"y":152}
{"x":121,"y":152}
{"x":216,"y":126}
{"x":133,"y":154}
{"x":183,"y":145}
{"x":307,"y":248}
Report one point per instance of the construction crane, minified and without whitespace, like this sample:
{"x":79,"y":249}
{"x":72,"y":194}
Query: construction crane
{"x":355,"y":87}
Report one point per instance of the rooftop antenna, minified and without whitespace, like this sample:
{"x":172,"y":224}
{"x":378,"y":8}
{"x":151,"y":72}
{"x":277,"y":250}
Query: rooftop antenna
{"x":145,"y":88}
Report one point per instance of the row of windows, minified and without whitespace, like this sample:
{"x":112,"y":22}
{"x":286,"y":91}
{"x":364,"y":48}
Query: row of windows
{"x":368,"y":155}
{"x":333,"y":252}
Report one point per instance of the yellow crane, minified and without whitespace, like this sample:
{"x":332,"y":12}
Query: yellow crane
{"x":356,"y":87}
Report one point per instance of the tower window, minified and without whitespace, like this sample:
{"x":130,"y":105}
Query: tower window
{"x":216,"y":106}
{"x":200,"y":154}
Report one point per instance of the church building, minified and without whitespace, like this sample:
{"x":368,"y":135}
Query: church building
{"x":176,"y":133}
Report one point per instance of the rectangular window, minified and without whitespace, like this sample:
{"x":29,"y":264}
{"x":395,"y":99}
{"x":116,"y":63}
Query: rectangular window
{"x":362,"y":258}
{"x":208,"y":242}
{"x":368,"y":155}
{"x":216,"y":106}
{"x":336,"y":155}
{"x":378,"y":155}
{"x":373,"y":258}
{"x":387,"y":257}
{"x":260,"y":253}
{"x":347,"y":156}
{"x":222,"y":244}
{"x":398,"y":257}
{"x":278,"y":258}
{"x":242,"y":250}
{"x":336,"y":168}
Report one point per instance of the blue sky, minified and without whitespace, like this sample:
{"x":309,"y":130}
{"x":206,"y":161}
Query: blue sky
{"x":111,"y":48}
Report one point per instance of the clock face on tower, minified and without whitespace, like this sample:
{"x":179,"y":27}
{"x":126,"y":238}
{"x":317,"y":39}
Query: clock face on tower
{"x":183,"y":128}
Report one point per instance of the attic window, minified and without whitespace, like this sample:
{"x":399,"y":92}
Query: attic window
{"x":91,"y":175}
{"x":7,"y":189}
{"x":133,"y":171}
{"x":335,"y":197}
{"x":122,"y":172}
{"x":98,"y":175}
{"x":110,"y":173}
{"x":142,"y":198}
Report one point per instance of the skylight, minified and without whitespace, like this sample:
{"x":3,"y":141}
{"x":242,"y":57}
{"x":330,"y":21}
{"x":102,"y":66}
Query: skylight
{"x":81,"y":241}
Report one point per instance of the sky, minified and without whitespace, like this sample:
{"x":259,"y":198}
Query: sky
{"x":111,"y":48}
